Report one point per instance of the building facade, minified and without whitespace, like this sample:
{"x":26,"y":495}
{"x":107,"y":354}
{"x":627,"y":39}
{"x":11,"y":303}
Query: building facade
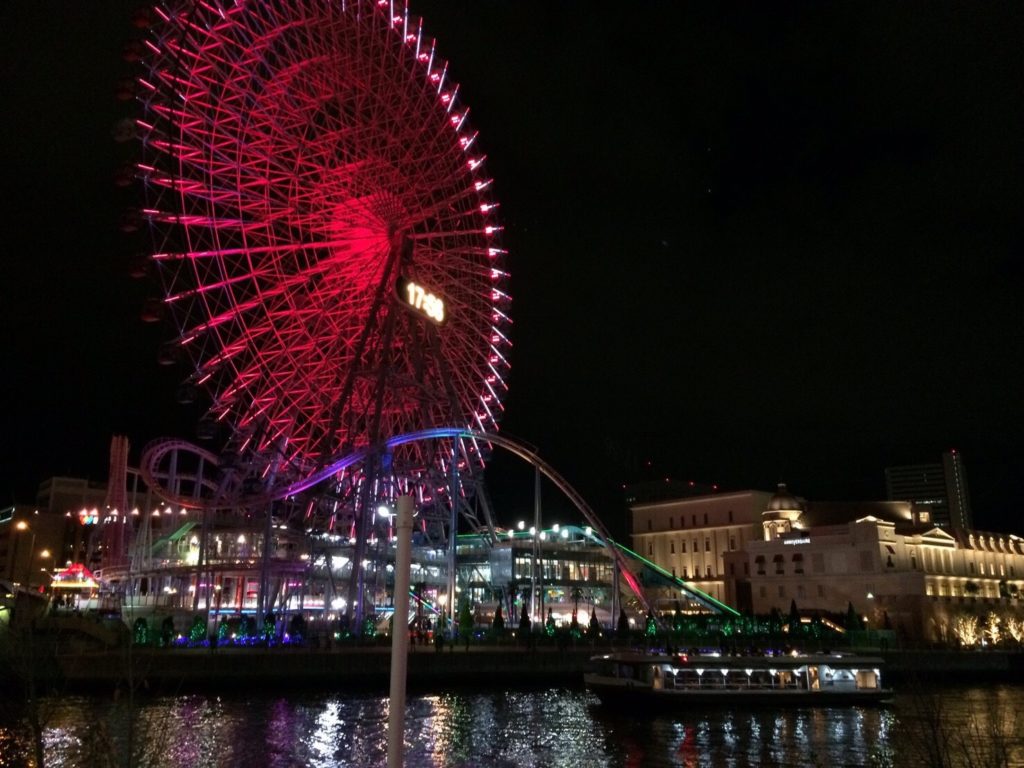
{"x":886,"y":559}
{"x":694,"y":538}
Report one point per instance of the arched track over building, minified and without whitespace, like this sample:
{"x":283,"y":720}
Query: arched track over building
{"x":620,"y":554}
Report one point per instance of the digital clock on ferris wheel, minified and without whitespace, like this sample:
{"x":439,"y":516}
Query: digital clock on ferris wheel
{"x":421,"y":300}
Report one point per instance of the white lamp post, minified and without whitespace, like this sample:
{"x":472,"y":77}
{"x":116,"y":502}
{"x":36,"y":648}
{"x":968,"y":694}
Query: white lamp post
{"x":400,"y":634}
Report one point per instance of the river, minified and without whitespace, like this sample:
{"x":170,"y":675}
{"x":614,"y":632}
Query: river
{"x":969,"y":726}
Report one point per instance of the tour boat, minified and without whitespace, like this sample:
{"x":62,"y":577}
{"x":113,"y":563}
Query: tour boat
{"x":707,"y":678}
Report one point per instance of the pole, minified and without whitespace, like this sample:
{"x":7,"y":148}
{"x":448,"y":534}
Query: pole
{"x":400,"y":634}
{"x":12,"y":569}
{"x":615,"y":597}
{"x":28,"y":567}
{"x":31,"y":551}
{"x":538,"y":552}
{"x":453,"y":530}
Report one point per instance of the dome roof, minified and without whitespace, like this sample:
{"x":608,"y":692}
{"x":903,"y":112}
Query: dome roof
{"x":783,"y":501}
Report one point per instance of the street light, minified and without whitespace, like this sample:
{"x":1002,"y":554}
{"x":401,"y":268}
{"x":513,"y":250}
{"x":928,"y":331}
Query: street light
{"x":45,"y":554}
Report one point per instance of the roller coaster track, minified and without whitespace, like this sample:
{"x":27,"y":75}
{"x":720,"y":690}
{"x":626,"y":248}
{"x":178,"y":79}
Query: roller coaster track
{"x":621,"y":555}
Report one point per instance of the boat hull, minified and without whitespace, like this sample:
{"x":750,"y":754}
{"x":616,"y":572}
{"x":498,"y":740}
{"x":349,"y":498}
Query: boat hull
{"x":635,"y":696}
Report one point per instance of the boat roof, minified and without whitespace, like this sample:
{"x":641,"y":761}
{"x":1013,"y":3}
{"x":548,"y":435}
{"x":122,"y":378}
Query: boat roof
{"x":740,"y":662}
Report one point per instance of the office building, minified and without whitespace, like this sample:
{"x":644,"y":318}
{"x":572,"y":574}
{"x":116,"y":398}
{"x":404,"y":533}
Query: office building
{"x":941,"y":488}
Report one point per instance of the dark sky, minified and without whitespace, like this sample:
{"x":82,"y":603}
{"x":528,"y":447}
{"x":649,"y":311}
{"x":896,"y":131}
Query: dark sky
{"x":748,"y":242}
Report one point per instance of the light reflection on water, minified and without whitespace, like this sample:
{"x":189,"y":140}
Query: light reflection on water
{"x":532,"y":729}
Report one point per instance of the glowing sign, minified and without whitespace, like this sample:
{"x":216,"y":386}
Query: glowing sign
{"x":421,"y":300}
{"x":802,"y":540}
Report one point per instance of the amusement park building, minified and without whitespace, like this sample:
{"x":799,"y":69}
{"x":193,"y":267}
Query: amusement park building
{"x":574,"y":568}
{"x":887,"y":559}
{"x":161,"y":574}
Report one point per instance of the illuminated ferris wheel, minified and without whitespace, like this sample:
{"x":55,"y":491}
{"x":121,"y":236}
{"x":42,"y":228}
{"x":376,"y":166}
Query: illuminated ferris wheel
{"x":325,"y":233}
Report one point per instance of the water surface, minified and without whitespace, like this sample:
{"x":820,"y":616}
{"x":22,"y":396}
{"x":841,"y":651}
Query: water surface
{"x":974,"y":726}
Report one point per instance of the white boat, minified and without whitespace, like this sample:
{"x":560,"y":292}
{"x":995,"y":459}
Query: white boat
{"x":792,"y":679}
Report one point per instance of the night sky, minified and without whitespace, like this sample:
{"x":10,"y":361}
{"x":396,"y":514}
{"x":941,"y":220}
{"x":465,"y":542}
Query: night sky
{"x":748,"y":243}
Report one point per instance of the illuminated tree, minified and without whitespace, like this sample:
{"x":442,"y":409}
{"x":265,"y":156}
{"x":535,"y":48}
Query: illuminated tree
{"x":651,"y":625}
{"x":966,"y":630}
{"x":198,"y":632}
{"x":991,"y":629}
{"x":269,"y":627}
{"x":794,"y":618}
{"x":774,"y":621}
{"x":140,"y":632}
{"x":1015,"y":628}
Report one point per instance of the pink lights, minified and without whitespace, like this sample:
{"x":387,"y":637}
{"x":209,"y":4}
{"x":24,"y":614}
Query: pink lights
{"x":287,"y":198}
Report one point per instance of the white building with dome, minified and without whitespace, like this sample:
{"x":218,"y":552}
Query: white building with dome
{"x":886,"y":558}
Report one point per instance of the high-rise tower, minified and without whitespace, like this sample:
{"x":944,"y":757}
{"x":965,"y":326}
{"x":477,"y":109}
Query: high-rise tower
{"x":940,"y":487}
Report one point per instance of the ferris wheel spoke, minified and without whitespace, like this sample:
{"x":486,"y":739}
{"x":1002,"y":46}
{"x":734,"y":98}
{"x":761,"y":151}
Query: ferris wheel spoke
{"x":286,"y":147}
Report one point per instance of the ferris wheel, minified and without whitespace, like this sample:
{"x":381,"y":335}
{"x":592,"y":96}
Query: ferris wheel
{"x":324,"y":232}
